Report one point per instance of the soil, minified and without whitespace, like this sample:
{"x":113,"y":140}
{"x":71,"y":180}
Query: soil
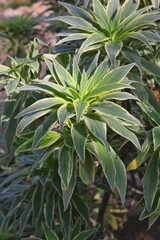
{"x":137,"y":230}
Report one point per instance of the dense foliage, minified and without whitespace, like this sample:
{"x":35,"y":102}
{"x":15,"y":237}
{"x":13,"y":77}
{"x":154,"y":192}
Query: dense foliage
{"x":92,"y":116}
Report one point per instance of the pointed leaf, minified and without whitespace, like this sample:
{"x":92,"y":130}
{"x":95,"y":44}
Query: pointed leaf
{"x":40,"y":105}
{"x":26,"y":146}
{"x":117,"y":111}
{"x":44,"y":128}
{"x":85,"y":234}
{"x":50,"y":235}
{"x":113,"y":49}
{"x":81,"y":207}
{"x":99,"y":73}
{"x":24,"y":216}
{"x":120,"y":96}
{"x":65,"y":216}
{"x":80,"y":108}
{"x":49,"y":208}
{"x":121,"y":177}
{"x":77,"y":11}
{"x":37,"y":200}
{"x":90,"y":41}
{"x":152,"y":67}
{"x":100,"y":14}
{"x":87,"y":170}
{"x":29,"y":119}
{"x":112,"y":7}
{"x":140,"y":37}
{"x":68,"y":193}
{"x":65,"y":168}
{"x":117,"y":127}
{"x":64,"y":76}
{"x":156,"y":137}
{"x":150,"y":180}
{"x":106,"y":162}
{"x":64,"y":112}
{"x":48,"y":139}
{"x":129,"y":7}
{"x":97,"y":127}
{"x":79,"y":137}
{"x":75,"y":22}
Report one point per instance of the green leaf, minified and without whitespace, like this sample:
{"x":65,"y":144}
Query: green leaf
{"x":76,"y":22}
{"x":36,"y":87}
{"x":24,"y":216}
{"x":91,"y":41}
{"x":107,"y":88}
{"x":128,"y":8}
{"x":112,"y":7}
{"x":37,"y":200}
{"x":29,"y":119}
{"x":77,"y":11}
{"x":80,"y":108}
{"x":65,"y":216}
{"x":97,"y":127}
{"x":4,"y":69}
{"x":81,"y":207}
{"x":107,"y":163}
{"x":26,"y":146}
{"x":132,"y":55}
{"x":117,"y":127}
{"x":113,"y":49}
{"x":153,"y":218}
{"x":150,"y":180}
{"x":87,"y":170}
{"x":10,"y":128}
{"x":100,"y":14}
{"x":76,"y":73}
{"x":48,"y":139}
{"x":50,"y":235}
{"x":117,"y":111}
{"x":40,"y":105}
{"x":68,"y":193}
{"x":64,"y":112}
{"x":93,"y":65}
{"x":49,"y":208}
{"x":152,"y":67}
{"x":155,"y":207}
{"x":79,"y":137}
{"x":77,"y":228}
{"x":99,"y":73}
{"x":140,"y":37}
{"x":64,"y":76}
{"x":73,"y":37}
{"x":46,"y":126}
{"x":121,"y":177}
{"x":65,"y":169}
{"x":120,"y":96}
{"x":11,"y":86}
{"x":156,"y":137}
{"x":85,"y":234}
{"x":150,"y":111}
{"x":116,"y":75}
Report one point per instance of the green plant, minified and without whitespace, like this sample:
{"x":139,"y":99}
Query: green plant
{"x":84,"y":122}
{"x":16,"y":32}
{"x":116,"y":28}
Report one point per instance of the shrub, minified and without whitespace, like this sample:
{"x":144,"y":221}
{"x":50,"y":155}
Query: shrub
{"x":92,"y":115}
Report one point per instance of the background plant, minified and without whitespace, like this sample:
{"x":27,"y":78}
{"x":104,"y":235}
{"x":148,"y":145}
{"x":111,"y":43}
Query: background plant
{"x":16,"y":32}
